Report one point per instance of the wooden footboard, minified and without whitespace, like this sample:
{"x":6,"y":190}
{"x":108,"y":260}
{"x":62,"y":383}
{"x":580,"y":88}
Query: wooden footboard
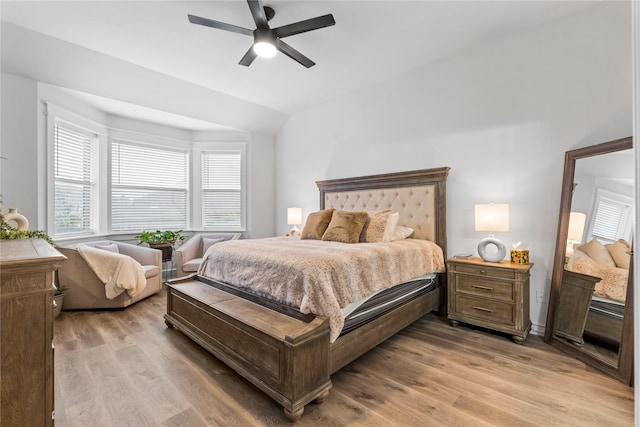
{"x":286,"y":358}
{"x":289,"y":359}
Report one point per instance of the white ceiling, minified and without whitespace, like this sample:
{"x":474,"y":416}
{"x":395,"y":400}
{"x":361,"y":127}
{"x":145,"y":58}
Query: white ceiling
{"x":372,"y":41}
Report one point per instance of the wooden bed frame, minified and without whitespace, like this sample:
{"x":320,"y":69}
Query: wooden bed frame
{"x":287,"y":354}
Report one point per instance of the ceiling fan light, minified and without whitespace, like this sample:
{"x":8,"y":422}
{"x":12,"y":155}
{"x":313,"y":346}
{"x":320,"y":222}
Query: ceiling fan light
{"x":264,"y":49}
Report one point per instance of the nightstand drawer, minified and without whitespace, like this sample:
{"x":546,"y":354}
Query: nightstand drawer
{"x":493,"y":289}
{"x":493,"y":311}
{"x":482,"y":270}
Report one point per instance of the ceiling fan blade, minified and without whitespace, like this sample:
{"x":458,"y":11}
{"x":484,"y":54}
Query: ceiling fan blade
{"x":257,"y":11}
{"x":304,"y":26}
{"x":248,"y":57}
{"x":294,"y":54}
{"x":219,"y":25}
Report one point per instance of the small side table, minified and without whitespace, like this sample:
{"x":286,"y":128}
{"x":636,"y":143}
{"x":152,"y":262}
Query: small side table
{"x":493,"y":295}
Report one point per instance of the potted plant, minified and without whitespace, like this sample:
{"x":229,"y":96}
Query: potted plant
{"x":163,"y":240}
{"x":58,"y":298}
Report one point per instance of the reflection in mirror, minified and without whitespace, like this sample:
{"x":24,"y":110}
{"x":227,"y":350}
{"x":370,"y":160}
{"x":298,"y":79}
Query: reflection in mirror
{"x":598,"y":244}
{"x":590,"y":310}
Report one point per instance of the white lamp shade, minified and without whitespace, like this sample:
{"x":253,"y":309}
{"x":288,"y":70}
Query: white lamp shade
{"x":576,"y":226}
{"x":492,"y":217}
{"x":294,"y":216}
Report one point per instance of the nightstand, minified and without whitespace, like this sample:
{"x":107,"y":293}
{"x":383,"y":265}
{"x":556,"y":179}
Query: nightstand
{"x":493,"y":295}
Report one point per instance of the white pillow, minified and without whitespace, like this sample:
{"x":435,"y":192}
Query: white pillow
{"x":401,"y":232}
{"x":207,"y":243}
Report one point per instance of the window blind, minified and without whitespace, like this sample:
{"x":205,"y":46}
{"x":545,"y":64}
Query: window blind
{"x":75,"y":156}
{"x":610,"y":220}
{"x":222,"y":199}
{"x":148,"y":187}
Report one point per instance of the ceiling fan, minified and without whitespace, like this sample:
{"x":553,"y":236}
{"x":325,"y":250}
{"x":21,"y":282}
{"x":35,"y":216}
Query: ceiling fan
{"x":267,"y":41}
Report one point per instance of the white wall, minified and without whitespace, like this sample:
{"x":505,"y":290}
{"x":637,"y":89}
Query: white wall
{"x":501,"y":116}
{"x":18,"y":144}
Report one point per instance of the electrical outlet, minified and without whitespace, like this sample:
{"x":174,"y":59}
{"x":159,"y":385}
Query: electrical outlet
{"x":539,"y":296}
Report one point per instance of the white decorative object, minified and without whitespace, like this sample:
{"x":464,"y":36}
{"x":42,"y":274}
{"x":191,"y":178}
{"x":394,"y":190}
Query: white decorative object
{"x":492,"y":217}
{"x":20,"y":221}
{"x":294,"y":217}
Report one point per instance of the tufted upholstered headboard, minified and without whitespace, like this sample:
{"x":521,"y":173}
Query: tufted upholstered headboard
{"x":419,"y":196}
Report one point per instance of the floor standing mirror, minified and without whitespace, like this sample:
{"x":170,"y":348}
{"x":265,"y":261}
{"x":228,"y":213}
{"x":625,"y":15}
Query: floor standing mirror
{"x":591,"y":304}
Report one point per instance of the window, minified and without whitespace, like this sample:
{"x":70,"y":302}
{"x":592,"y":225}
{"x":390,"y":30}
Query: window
{"x":222,"y":190}
{"x":75,"y":170}
{"x":612,"y":219}
{"x":148,"y":187}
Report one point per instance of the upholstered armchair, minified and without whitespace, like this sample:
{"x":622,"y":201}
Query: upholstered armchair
{"x":189,"y":255}
{"x":87,"y":291}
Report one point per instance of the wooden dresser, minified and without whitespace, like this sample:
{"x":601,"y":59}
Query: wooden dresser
{"x":26,"y":332}
{"x":493,"y":295}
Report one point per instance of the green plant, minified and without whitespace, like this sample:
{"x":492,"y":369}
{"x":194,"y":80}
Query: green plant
{"x":61,"y":289}
{"x":158,"y":237}
{"x":11,"y":233}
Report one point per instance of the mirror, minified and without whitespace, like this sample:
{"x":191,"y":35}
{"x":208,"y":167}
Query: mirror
{"x":590,"y":312}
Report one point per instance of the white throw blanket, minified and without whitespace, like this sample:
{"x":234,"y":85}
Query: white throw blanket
{"x":118,"y":272}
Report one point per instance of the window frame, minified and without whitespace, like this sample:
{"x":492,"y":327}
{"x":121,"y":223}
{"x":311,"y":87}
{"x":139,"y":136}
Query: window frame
{"x":612,"y":197}
{"x":209,"y":148}
{"x":186,"y":142}
{"x":139,"y":142}
{"x":54,"y":116}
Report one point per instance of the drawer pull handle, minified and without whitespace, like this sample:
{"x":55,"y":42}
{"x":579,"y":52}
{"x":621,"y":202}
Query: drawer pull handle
{"x":488,"y":310}
{"x":484,"y":288}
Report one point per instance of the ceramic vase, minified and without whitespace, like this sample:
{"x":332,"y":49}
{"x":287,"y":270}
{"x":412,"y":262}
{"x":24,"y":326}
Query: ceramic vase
{"x":21,"y":221}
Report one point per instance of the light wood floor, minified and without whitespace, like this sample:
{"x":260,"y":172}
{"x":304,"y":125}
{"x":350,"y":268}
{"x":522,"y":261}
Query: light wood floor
{"x":126,"y":368}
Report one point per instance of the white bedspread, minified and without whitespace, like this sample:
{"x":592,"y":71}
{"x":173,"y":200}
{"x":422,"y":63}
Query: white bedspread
{"x":317,"y":276}
{"x":118,"y":272}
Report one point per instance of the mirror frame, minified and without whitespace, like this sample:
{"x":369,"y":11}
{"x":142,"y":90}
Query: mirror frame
{"x":624,"y":369}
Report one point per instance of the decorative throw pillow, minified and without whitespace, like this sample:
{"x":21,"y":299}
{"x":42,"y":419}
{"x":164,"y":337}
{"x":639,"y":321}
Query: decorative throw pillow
{"x":376,"y":226}
{"x":111,"y":248}
{"x":345,"y":226}
{"x":206,"y":243}
{"x":316,"y":225}
{"x":598,"y":253}
{"x":619,"y":251}
{"x":401,"y":232}
{"x":391,"y":226}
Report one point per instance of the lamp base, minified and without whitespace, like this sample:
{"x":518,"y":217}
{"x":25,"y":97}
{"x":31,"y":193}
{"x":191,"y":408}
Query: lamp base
{"x":295,"y":231}
{"x":492,"y":257}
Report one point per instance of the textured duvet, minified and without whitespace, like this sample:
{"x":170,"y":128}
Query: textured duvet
{"x":319,"y":277}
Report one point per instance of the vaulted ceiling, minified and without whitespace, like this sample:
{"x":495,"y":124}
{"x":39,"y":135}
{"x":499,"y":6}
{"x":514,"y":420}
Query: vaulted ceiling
{"x":372,"y":41}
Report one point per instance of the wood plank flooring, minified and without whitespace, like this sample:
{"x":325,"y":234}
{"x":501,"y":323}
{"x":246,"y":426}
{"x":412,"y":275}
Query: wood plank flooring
{"x":126,"y":368}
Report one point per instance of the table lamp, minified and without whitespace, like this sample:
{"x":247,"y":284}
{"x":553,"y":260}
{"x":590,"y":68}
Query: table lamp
{"x":576,"y":228}
{"x":492,"y":217}
{"x":294,"y":217}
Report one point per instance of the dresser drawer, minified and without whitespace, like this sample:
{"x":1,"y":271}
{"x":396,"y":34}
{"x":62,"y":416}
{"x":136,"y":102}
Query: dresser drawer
{"x":494,"y":289}
{"x":493,"y":311}
{"x":482,"y":270}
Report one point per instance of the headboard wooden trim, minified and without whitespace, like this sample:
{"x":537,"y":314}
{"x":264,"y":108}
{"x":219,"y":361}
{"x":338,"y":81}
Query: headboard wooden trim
{"x":436,"y":177}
